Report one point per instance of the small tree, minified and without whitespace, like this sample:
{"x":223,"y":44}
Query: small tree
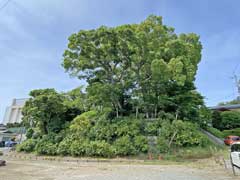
{"x":45,"y":111}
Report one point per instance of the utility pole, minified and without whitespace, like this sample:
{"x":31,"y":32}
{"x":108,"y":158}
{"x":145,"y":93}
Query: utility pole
{"x":237,"y":81}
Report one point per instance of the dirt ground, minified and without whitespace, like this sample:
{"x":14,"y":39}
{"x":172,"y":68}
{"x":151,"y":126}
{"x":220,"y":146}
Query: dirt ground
{"x":46,"y":170}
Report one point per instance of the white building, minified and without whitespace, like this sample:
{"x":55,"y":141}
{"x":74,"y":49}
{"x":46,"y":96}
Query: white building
{"x":13,"y":113}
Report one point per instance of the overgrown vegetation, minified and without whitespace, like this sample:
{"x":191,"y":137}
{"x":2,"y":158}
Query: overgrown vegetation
{"x":140,"y":86}
{"x":231,"y":132}
{"x":215,"y":132}
{"x":226,"y":120}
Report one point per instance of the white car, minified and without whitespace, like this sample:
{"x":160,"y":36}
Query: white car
{"x":235,"y":154}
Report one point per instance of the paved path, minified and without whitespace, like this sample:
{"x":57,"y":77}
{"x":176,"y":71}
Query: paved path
{"x":44,"y":170}
{"x":213,"y":138}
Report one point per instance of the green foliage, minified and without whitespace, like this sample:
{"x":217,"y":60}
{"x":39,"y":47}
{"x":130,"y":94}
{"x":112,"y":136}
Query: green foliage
{"x":46,"y":147}
{"x":230,"y":119}
{"x":133,"y":73}
{"x":128,"y":127}
{"x":231,"y":132}
{"x":29,"y":133}
{"x":64,"y":147}
{"x":152,"y":128}
{"x":142,"y":67}
{"x":78,"y":147}
{"x":141,"y":144}
{"x":162,"y":145}
{"x":27,"y":146}
{"x":217,"y":120}
{"x":180,"y":134}
{"x":235,"y":101}
{"x":44,"y":110}
{"x":99,"y":148}
{"x":124,"y":146}
{"x":82,"y":124}
{"x":191,"y":153}
{"x":215,"y":132}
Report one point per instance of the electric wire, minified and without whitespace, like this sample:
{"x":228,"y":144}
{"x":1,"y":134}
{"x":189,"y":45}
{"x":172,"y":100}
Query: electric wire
{"x":5,"y":5}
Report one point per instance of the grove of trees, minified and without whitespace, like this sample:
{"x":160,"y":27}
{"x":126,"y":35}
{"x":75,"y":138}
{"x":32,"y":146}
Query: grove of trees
{"x":139,"y":83}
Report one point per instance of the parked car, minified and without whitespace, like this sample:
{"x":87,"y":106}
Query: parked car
{"x":229,"y":140}
{"x":10,"y":143}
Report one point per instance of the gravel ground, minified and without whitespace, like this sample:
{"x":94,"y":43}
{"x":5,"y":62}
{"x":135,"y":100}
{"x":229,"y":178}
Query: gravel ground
{"x":46,"y":170}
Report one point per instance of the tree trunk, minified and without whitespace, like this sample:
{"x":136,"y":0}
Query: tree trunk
{"x":172,"y":138}
{"x":117,"y":113}
{"x":137,"y":112}
{"x":155,"y":112}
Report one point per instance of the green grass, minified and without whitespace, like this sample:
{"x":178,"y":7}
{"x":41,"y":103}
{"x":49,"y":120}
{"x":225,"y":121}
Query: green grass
{"x":215,"y":132}
{"x":187,"y":154}
{"x":233,"y":132}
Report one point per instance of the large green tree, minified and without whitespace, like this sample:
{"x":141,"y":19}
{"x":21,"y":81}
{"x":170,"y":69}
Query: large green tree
{"x":139,"y":67}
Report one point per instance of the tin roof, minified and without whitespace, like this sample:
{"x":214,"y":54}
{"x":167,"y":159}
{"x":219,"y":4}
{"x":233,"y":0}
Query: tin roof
{"x":225,"y":107}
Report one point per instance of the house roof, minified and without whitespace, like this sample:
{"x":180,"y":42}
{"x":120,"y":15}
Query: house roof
{"x":225,"y":107}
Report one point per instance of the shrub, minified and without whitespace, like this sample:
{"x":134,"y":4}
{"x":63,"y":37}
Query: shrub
{"x":181,"y":134}
{"x":45,"y":147}
{"x":78,"y":147}
{"x":64,"y":147}
{"x":141,"y":144}
{"x":123,"y":146}
{"x":230,"y":120}
{"x":27,"y":146}
{"x":82,"y":123}
{"x":128,"y":126}
{"x":152,"y":128}
{"x":103,"y":130}
{"x":162,"y":145}
{"x":233,"y":132}
{"x":99,"y":148}
{"x":217,"y":120}
{"x":1,"y":153}
{"x":29,"y":133}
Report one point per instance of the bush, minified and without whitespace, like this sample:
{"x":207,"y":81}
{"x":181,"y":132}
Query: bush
{"x":99,"y":148}
{"x":128,"y":126}
{"x":1,"y":153}
{"x":216,"y":120}
{"x":180,"y":134}
{"x":231,"y":132}
{"x":27,"y":146}
{"x":78,"y":147}
{"x":64,"y":147}
{"x":215,"y":132}
{"x":81,"y":124}
{"x":152,"y":128}
{"x":29,"y":133}
{"x":141,"y":144}
{"x":45,"y":147}
{"x":230,"y":120}
{"x":123,"y":146}
{"x":162,"y":145}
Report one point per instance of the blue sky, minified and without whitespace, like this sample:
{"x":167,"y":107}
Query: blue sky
{"x":33,"y":36}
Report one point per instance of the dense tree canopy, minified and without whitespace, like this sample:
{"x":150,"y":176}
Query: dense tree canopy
{"x":140,"y":83}
{"x":142,"y":68}
{"x":48,"y":111}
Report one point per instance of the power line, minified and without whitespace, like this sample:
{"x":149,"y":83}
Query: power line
{"x":236,"y":68}
{"x":4,"y":5}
